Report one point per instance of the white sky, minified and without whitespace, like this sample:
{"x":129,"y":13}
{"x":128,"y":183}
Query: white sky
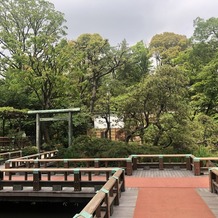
{"x":133,"y":20}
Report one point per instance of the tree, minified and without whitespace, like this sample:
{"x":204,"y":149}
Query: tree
{"x":95,"y":59}
{"x":134,"y":68}
{"x":158,"y":104}
{"x":137,"y":66}
{"x":165,"y":47}
{"x":33,"y":53}
{"x":205,"y":44}
{"x":31,"y":48}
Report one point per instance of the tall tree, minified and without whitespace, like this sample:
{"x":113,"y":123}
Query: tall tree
{"x":165,"y":47}
{"x":137,"y":66}
{"x":33,"y":53}
{"x":205,"y":51}
{"x":95,"y":59}
{"x":31,"y":47}
{"x":158,"y":103}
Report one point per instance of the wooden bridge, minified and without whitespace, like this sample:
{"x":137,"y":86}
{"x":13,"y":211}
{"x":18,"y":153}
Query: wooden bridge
{"x":73,"y":179}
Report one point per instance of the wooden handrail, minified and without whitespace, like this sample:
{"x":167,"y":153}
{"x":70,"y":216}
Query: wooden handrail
{"x":133,"y":162}
{"x":46,"y":154}
{"x":213,"y":180}
{"x":125,"y":163}
{"x":100,"y":205}
{"x":33,"y":177}
{"x":158,"y":161}
{"x":9,"y":155}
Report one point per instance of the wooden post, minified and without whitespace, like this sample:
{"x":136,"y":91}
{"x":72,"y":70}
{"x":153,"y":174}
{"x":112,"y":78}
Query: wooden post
{"x":106,"y":201}
{"x":77,"y":178}
{"x":36,"y":164}
{"x":211,"y":177}
{"x":197,"y":167}
{"x":134,"y":161}
{"x":36,"y":180}
{"x":129,"y":166}
{"x":66,"y":163}
{"x":161,"y":165}
{"x":7,"y":164}
{"x":1,"y":178}
{"x":70,"y":129}
{"x":188,"y":162}
{"x":117,"y":191}
{"x":122,"y":178}
{"x":38,"y":132}
{"x":96,"y":165}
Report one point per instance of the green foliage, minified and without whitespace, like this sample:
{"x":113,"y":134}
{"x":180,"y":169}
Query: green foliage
{"x":166,"y":47}
{"x":89,"y":147}
{"x":29,"y":150}
{"x":33,"y":57}
{"x":47,"y":147}
{"x":173,"y":106}
{"x":10,"y":111}
{"x":202,"y":151}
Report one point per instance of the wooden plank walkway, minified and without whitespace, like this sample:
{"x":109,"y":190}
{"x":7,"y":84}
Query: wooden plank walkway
{"x":129,"y":197}
{"x":210,"y":199}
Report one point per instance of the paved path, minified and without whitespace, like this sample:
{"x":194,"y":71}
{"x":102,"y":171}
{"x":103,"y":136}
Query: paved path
{"x":167,"y":194}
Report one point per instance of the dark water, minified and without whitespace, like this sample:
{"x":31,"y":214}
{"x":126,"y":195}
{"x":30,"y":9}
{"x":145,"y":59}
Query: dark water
{"x":39,"y":210}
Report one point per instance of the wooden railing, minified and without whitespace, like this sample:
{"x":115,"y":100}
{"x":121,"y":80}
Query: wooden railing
{"x":101,"y":205}
{"x":39,"y":178}
{"x":163,"y":161}
{"x":203,"y":164}
{"x":9,"y":155}
{"x":42,"y":155}
{"x":213,"y":180}
{"x":17,"y":155}
{"x":133,"y":162}
{"x":125,"y":163}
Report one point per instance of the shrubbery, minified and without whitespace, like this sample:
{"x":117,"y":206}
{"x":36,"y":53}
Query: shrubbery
{"x":86,"y":146}
{"x":29,"y":150}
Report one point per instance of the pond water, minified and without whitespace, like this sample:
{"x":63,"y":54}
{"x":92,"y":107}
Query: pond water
{"x":39,"y":210}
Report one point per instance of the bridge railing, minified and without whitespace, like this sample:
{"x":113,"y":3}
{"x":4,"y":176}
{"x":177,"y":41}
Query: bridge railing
{"x":133,"y":162}
{"x":203,"y":164}
{"x":162,"y":161}
{"x":213,"y":180}
{"x":57,"y":178}
{"x":125,"y":163}
{"x":42,"y":155}
{"x":18,"y":155}
{"x":101,"y":205}
{"x":9,"y":155}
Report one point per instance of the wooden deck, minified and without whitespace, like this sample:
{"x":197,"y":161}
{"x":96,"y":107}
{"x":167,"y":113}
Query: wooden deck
{"x":129,"y":197}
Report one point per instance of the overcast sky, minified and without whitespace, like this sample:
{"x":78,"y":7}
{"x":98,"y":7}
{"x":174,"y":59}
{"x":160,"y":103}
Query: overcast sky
{"x":133,"y":20}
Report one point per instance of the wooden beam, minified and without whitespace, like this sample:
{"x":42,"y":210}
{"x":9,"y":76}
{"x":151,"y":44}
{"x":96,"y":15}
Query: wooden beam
{"x":54,"y":111}
{"x":46,"y":119}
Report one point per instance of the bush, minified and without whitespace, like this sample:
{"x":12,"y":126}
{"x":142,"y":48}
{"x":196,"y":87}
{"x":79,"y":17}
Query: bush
{"x":29,"y":150}
{"x":91,"y":147}
{"x":47,"y":147}
{"x":205,"y":151}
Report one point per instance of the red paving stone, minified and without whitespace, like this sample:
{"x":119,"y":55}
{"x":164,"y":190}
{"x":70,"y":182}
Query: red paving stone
{"x":169,"y":197}
{"x":159,"y":182}
{"x":170,"y":203}
{"x":163,"y":197}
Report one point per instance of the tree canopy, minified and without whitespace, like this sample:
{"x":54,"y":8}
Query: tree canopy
{"x":162,"y":105}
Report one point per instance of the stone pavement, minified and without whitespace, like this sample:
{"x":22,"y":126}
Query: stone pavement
{"x":166,"y":194}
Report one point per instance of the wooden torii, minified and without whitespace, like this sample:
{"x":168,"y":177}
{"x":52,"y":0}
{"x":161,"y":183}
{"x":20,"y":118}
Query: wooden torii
{"x":45,"y":119}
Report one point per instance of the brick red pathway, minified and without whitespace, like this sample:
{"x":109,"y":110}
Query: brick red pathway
{"x":169,"y":197}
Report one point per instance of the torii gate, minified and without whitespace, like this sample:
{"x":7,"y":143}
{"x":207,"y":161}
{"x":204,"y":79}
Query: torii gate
{"x":45,"y":119}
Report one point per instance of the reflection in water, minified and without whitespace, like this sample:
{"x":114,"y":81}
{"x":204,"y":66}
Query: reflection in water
{"x":39,"y":210}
